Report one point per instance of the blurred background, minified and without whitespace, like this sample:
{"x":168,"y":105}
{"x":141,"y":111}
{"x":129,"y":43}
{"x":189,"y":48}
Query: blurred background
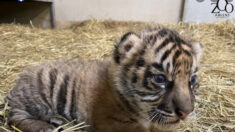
{"x":60,"y":13}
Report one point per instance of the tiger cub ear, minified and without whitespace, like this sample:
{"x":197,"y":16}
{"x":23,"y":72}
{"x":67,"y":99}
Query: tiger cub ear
{"x":126,"y":47}
{"x":197,"y":50}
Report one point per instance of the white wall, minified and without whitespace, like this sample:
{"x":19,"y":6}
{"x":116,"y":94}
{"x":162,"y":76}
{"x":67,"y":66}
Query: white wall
{"x":135,"y":10}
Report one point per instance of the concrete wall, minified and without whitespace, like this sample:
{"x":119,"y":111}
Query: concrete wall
{"x":134,"y":10}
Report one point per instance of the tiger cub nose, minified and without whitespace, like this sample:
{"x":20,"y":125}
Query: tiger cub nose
{"x":182,"y":114}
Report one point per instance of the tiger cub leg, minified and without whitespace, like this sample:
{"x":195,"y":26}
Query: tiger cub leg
{"x":27,"y":123}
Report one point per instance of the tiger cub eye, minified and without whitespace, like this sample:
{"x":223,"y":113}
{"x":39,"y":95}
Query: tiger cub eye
{"x":193,"y":79}
{"x":159,"y":78}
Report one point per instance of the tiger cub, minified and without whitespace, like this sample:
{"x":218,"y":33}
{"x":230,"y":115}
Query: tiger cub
{"x":148,"y":85}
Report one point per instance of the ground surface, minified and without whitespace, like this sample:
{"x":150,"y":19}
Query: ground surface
{"x":22,"y":46}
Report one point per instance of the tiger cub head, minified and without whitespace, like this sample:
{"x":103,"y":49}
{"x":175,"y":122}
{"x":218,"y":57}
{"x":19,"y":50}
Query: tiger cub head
{"x":156,"y":73}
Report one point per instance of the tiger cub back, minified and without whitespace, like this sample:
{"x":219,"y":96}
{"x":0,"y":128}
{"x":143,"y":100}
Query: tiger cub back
{"x":148,"y":85}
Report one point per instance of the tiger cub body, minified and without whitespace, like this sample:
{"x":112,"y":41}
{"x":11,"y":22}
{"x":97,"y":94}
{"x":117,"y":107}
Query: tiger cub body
{"x":148,"y":85}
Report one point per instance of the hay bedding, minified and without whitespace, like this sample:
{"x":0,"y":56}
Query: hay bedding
{"x":22,"y":46}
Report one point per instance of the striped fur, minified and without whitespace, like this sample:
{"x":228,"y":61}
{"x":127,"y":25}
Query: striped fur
{"x":116,"y":95}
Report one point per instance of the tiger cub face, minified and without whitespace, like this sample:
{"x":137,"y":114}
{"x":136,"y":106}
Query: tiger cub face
{"x":156,"y":72}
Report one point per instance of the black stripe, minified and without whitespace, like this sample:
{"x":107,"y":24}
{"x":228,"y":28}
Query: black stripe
{"x":178,"y":40}
{"x":163,"y":32}
{"x":159,"y":67}
{"x":134,"y":78}
{"x":178,"y":72}
{"x":163,"y":44}
{"x":61,"y":98}
{"x":73,"y":106}
{"x":53,"y":76}
{"x":154,"y":40}
{"x":187,"y":67}
{"x":187,"y":52}
{"x":116,"y":55}
{"x":186,"y":44}
{"x":125,"y":36}
{"x":140,"y":62}
{"x":147,"y":74}
{"x":168,"y":67}
{"x":41,"y":87}
{"x":142,"y":52}
{"x":151,"y":39}
{"x":176,"y":66}
{"x":169,"y":87}
{"x":167,"y":53}
{"x":176,"y":55}
{"x":29,"y":102}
